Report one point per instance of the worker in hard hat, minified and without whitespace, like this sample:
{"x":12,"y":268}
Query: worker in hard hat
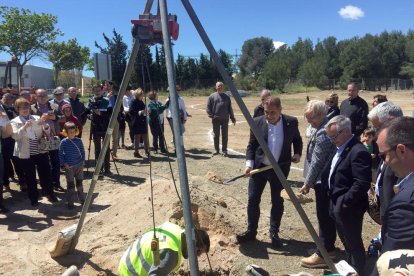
{"x":139,"y":258}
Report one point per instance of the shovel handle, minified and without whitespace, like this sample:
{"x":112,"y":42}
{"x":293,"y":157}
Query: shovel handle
{"x":262,"y":169}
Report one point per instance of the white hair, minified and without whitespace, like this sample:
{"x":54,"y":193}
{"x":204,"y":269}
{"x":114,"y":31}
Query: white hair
{"x":385,"y":111}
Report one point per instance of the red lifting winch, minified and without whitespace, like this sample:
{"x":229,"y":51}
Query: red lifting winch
{"x":147,"y":29}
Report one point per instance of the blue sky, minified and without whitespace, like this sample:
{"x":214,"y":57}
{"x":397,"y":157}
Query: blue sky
{"x":228,"y":22}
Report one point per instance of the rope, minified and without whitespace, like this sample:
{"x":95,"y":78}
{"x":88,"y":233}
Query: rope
{"x":168,"y":157}
{"x":149,"y":154}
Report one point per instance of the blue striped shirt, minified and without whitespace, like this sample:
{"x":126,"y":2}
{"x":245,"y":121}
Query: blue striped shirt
{"x":71,"y":152}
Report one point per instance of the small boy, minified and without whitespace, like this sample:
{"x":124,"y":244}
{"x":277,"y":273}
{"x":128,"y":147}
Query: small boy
{"x":368,"y":140}
{"x":72,"y":159}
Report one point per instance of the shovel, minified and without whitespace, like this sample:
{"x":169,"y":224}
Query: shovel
{"x":251,"y":172}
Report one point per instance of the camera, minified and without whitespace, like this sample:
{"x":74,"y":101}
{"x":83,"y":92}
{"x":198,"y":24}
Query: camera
{"x":94,"y":102}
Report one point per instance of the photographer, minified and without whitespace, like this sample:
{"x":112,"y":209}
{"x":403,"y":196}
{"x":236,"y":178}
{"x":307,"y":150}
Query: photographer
{"x":100,"y":111}
{"x":53,"y":116}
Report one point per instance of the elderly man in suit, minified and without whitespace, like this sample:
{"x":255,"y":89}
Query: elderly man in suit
{"x":396,"y":146}
{"x":347,"y":177}
{"x":280,"y":132}
{"x":380,"y":115}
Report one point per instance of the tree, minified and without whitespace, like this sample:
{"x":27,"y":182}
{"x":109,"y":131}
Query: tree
{"x":118,"y":51}
{"x":277,"y":70}
{"x":408,"y":67}
{"x":311,"y":73}
{"x":67,"y":56}
{"x":26,"y":35}
{"x":255,"y":53}
{"x":300,"y":52}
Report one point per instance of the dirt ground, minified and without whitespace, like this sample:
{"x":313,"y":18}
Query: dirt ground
{"x":121,"y":209}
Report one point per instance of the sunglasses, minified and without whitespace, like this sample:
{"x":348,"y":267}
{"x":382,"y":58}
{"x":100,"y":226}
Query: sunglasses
{"x":333,"y":138}
{"x":383,"y":154}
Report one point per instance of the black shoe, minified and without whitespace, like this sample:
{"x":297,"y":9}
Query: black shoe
{"x":23,"y":187}
{"x":225,"y":154}
{"x":3,"y":209}
{"x":276,"y":242}
{"x":59,"y":189}
{"x":246,"y":236}
{"x":215,"y":153}
{"x":164,"y":151}
{"x":108,"y":172}
{"x":52,"y":198}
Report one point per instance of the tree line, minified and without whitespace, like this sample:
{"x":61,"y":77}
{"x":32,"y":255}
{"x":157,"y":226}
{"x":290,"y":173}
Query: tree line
{"x":371,"y":60}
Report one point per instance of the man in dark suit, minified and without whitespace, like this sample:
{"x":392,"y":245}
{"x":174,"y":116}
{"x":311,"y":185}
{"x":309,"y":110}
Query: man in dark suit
{"x":259,"y":110}
{"x":380,"y":115}
{"x":348,"y":178}
{"x":396,"y":146}
{"x":280,"y":133}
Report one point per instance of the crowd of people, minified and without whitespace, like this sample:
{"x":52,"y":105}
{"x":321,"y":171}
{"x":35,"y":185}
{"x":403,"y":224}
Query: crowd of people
{"x":342,"y":153}
{"x":41,"y":136}
{"x":343,"y":157}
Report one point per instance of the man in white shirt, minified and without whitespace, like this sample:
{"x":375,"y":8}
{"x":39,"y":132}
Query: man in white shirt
{"x":281,"y":133}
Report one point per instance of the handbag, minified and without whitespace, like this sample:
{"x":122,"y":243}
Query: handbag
{"x":373,"y":206}
{"x":49,"y":143}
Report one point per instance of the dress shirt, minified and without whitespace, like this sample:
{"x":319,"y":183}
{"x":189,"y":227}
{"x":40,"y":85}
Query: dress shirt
{"x":275,"y":137}
{"x":400,"y":186}
{"x":336,"y":157}
{"x":378,"y":179}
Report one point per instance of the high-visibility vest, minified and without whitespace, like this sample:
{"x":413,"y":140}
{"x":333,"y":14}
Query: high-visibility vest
{"x":138,"y":259}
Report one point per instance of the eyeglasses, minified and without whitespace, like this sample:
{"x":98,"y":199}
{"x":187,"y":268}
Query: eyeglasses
{"x":383,"y":154}
{"x":41,"y":96}
{"x":333,"y":138}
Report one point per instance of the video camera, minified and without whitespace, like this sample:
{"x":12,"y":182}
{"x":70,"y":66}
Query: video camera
{"x":94,"y":102}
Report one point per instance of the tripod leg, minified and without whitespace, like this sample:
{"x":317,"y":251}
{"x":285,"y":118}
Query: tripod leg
{"x":113,"y":160}
{"x":89,"y":150}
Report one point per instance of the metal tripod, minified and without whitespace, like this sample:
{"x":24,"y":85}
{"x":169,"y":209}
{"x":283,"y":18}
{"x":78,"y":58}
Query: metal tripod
{"x":179,"y":139}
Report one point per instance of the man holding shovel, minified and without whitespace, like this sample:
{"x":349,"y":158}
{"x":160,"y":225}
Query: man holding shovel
{"x":280,"y":132}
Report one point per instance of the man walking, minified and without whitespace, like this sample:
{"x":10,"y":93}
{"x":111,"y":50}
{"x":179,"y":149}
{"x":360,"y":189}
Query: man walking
{"x":219,"y":110}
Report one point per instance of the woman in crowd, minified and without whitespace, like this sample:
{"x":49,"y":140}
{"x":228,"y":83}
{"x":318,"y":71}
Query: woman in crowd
{"x":139,"y":129}
{"x":156,"y":121}
{"x":69,"y":117}
{"x":377,"y":99}
{"x":332,"y":103}
{"x":27,"y":131}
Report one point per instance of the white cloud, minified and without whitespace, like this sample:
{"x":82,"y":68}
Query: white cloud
{"x":278,"y":44}
{"x":351,"y":12}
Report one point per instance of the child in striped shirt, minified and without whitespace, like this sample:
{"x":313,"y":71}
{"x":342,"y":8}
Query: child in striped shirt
{"x":72,"y":159}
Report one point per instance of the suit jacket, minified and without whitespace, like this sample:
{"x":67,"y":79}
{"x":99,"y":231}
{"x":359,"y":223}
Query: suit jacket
{"x":398,"y":224}
{"x":351,"y":177}
{"x":258,"y":111}
{"x":385,"y":186}
{"x":291,"y":137}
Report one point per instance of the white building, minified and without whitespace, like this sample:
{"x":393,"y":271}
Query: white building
{"x":33,"y":76}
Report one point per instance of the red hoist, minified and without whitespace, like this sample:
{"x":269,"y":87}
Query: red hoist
{"x":147,"y":29}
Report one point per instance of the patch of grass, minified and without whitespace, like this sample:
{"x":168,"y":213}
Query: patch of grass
{"x":296,"y":87}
